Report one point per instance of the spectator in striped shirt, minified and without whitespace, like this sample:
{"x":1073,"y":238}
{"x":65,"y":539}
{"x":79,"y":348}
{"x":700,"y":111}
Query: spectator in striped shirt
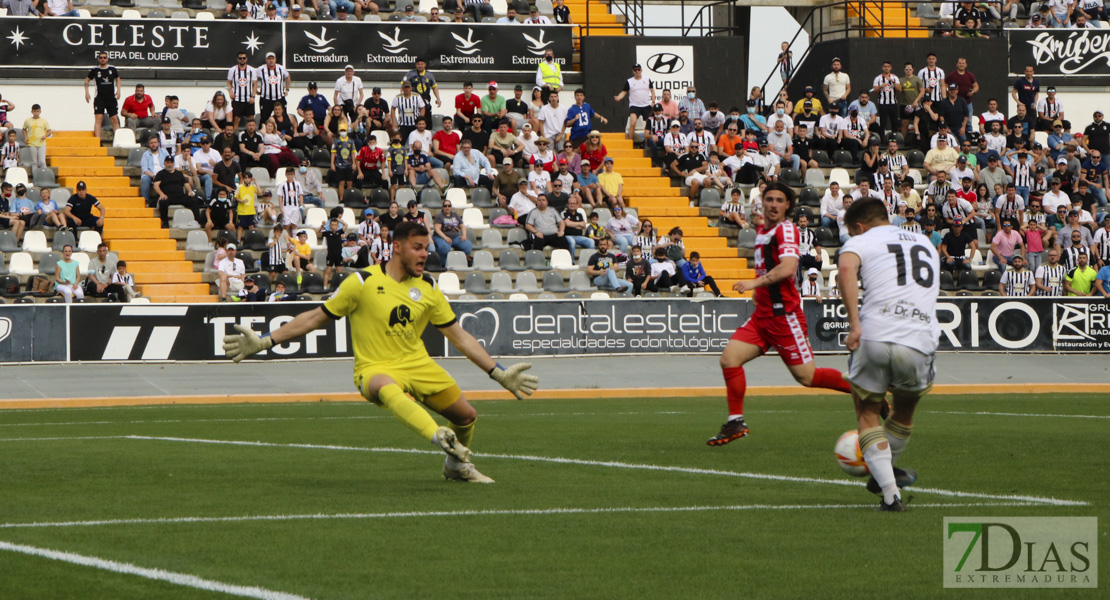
{"x":732,"y":211}
{"x":1017,"y":282}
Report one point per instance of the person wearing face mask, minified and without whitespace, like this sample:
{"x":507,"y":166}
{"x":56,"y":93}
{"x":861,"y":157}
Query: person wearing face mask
{"x":781,"y":114}
{"x":753,"y":121}
{"x":808,"y":117}
{"x":309,"y":179}
{"x":808,"y":95}
{"x":691,"y":103}
{"x":549,"y":76}
{"x":714,"y":119}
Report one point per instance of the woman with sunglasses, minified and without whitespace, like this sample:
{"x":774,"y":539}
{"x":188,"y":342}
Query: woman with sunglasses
{"x":593,"y":151}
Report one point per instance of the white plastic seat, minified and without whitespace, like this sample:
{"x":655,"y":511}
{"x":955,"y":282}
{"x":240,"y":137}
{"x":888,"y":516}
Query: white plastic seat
{"x":483,"y":261}
{"x":830,"y":280}
{"x":21,"y":263}
{"x":349,"y":218}
{"x":183,"y":218}
{"x":561,"y":260}
{"x":35,"y":241}
{"x":978,"y":264}
{"x":526,"y":282}
{"x":140,"y":301}
{"x":125,"y":138}
{"x":131,"y":14}
{"x":456,"y":261}
{"x":841,"y":176}
{"x":205,"y":16}
{"x":312,"y":240}
{"x":491,"y":238}
{"x":448,"y":283}
{"x":599,"y":296}
{"x":458,"y":199}
{"x":473,"y":218}
{"x":315,"y":218}
{"x":197,"y":241}
{"x":88,"y":241}
{"x":518,"y":296}
{"x":261,"y":177}
{"x":279,"y":176}
{"x":826,"y":262}
{"x":16,"y":176}
{"x":82,"y":262}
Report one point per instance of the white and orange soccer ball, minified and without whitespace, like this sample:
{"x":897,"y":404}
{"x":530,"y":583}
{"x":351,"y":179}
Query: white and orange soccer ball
{"x":849,"y":456}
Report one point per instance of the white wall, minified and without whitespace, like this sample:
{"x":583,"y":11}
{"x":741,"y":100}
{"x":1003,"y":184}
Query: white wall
{"x":771,"y":26}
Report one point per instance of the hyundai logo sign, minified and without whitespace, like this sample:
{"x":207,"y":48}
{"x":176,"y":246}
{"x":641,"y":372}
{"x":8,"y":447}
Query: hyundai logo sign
{"x":665,"y":63}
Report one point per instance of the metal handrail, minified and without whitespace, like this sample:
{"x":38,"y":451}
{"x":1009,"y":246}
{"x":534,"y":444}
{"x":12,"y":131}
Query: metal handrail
{"x":700,"y":22}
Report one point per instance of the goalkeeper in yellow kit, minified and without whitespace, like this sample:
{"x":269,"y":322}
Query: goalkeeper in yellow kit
{"x":388,"y":306}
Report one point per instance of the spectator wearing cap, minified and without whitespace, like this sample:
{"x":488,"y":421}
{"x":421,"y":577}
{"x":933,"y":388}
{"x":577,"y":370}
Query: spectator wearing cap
{"x":419,"y":168}
{"x":589,"y":185}
{"x":1067,"y":183}
{"x":808,"y":94}
{"x":376,"y":112}
{"x":961,"y":171}
{"x":641,"y":98}
{"x":406,"y":108}
{"x":867,"y":111}
{"x":994,"y":173}
{"x":593,"y":151}
{"x":837,"y":86}
{"x":1050,"y":110}
{"x":521,"y":203}
{"x":471,"y":167}
{"x":517,"y":109}
{"x":564,"y":174}
{"x":941,"y":158}
{"x":295,"y":14}
{"x":580,"y":117}
{"x":855,"y":134}
{"x":423,"y":84}
{"x":78,"y":210}
{"x":1096,"y":136}
{"x":348,"y":91}
{"x":314,"y":103}
{"x":535,"y":18}
{"x":611,"y":184}
{"x":505,"y":182}
{"x":954,"y":247}
{"x":344,"y":6}
{"x":409,"y":15}
{"x":271,"y":85}
{"x":1059,"y":140}
{"x":492,"y":108}
{"x":172,"y":187}
{"x":231,"y":272}
{"x":251,"y":292}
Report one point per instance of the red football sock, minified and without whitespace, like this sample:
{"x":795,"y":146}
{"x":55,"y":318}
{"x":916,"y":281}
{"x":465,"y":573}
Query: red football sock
{"x":736,"y":383}
{"x":830,"y":379}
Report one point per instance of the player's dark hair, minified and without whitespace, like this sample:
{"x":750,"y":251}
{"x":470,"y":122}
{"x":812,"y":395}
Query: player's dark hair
{"x":786,"y":190}
{"x":408,"y":229}
{"x":122,"y":263}
{"x":867,"y":211}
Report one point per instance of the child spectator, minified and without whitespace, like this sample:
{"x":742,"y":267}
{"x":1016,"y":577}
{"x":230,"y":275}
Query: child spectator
{"x":9,"y":154}
{"x":245,"y":198}
{"x":49,"y":209}
{"x":562,"y":13}
{"x":594,"y":231}
{"x":636,"y":270}
{"x":811,"y":288}
{"x":6,"y":106}
{"x":35,"y":131}
{"x":664,"y":274}
{"x":23,"y":208}
{"x":301,"y":254}
{"x":219,"y":213}
{"x":334,"y":240}
{"x":355,"y":254}
{"x":589,"y":186}
{"x":280,"y":295}
{"x":382,"y":248}
{"x":695,"y":276}
{"x":732,"y":211}
{"x":397,"y":165}
{"x":251,"y":292}
{"x":124,"y":280}
{"x":278,"y":245}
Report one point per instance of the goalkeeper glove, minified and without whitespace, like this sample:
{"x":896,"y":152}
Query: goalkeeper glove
{"x":245,"y":343}
{"x":514,"y":379}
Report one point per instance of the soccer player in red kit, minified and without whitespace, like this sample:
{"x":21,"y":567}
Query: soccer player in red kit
{"x":778,"y":320}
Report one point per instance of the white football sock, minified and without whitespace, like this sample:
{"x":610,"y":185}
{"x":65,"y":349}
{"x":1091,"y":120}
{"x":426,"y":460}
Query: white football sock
{"x":734,"y":417}
{"x":882,"y":469}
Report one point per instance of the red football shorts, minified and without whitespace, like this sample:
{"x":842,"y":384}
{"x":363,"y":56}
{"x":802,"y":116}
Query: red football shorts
{"x":786,"y":334}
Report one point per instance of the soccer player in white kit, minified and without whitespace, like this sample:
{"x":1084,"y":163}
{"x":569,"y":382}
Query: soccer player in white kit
{"x":893,"y":336}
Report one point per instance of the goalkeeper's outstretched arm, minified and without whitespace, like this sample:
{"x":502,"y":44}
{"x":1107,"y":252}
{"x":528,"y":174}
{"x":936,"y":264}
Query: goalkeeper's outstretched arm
{"x":247,"y":343}
{"x":513,"y":379}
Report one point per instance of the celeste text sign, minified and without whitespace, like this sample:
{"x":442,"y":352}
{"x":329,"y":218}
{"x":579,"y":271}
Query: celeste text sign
{"x":64,"y":43}
{"x":1071,"y":52}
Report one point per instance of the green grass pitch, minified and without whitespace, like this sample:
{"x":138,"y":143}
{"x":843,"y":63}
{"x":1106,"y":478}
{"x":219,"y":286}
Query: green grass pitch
{"x":388,"y":526}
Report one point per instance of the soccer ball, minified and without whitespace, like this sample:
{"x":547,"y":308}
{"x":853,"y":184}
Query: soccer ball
{"x":849,"y":456}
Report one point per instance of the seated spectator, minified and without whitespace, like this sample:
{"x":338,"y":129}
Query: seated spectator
{"x":125,"y":281}
{"x":545,"y":227}
{"x":637,"y":269}
{"x":1102,"y":281}
{"x":622,"y":227}
{"x":231,"y":271}
{"x":539,"y":180}
{"x":645,"y":236}
{"x":9,"y":219}
{"x":811,"y":287}
{"x":574,"y":225}
{"x":101,"y":269}
{"x":594,"y":231}
{"x":445,"y":143}
{"x":929,"y":230}
{"x":23,"y":208}
{"x":601,"y":267}
{"x":831,"y":203}
{"x":694,"y":275}
{"x":664,"y":274}
{"x":504,"y":145}
{"x":732,"y":211}
{"x":49,"y":210}
{"x":611,"y":185}
{"x":67,"y":274}
{"x":450,"y":233}
{"x":78,"y":210}
{"x":1004,"y":245}
{"x":138,"y":110}
{"x":1017,"y":282}
{"x":251,"y":292}
{"x":505,"y":182}
{"x":219,"y":214}
{"x":470,"y":167}
{"x":204,"y":162}
{"x":419,"y":169}
{"x":172,"y":188}
{"x":277,"y":153}
{"x":589,"y":187}
{"x":954,"y":247}
{"x":368,"y":165}
{"x":692,"y":166}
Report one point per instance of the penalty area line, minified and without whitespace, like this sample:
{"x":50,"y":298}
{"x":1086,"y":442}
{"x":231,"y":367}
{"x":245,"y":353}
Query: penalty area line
{"x":624,"y":465}
{"x":182,"y":579}
{"x":1008,"y":414}
{"x":490,"y":512}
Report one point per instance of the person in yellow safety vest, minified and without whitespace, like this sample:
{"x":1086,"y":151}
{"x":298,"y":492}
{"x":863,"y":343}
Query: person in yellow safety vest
{"x":549,"y":76}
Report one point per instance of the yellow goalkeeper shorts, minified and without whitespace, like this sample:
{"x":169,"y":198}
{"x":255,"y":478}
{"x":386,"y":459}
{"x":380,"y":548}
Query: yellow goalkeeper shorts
{"x":426,"y":382}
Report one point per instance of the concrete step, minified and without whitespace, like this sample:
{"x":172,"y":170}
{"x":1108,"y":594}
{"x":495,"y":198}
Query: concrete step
{"x":168,"y":278}
{"x":174,"y":289}
{"x":142,"y":254}
{"x":100,"y":185}
{"x":159,"y":266}
{"x":712,"y":264}
{"x":89,"y":171}
{"x":134,"y":234}
{"x":185,"y":298}
{"x":702,"y":240}
{"x":74,"y":151}
{"x":653,"y":212}
{"x":81,"y":161}
{"x":68,"y":142}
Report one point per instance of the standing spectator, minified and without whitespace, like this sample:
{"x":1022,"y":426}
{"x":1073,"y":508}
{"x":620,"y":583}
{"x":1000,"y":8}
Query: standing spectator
{"x":953,"y":111}
{"x":314,"y":103}
{"x":1061,"y":13}
{"x":450,"y":233}
{"x":622,"y":228}
{"x":562,"y":13}
{"x":231,"y":272}
{"x":292,"y":201}
{"x":580,"y":118}
{"x":101,"y":269}
{"x":78,"y":210}
{"x":611,"y":186}
{"x":424,"y":84}
{"x":271,"y":85}
{"x":837,"y":86}
{"x":172,"y":188}
{"x":954,"y":247}
{"x":251,"y":147}
{"x":348,"y":91}
{"x":1081,"y":278}
{"x":67,"y":274}
{"x":470,"y":167}
{"x":887,"y":87}
{"x":966,"y":87}
{"x":549,"y":75}
{"x":1101,"y":243}
{"x":108,"y":86}
{"x":1004,"y":245}
{"x":1097,"y":134}
{"x":9,"y":153}
{"x":641,"y":97}
{"x":60,"y":8}
{"x":21,"y":8}
{"x":138,"y":109}
{"x":241,"y":83}
{"x":406,"y":109}
{"x":342,"y":161}
{"x":246,"y":200}
{"x":601,"y":267}
{"x":1049,"y":110}
{"x":224,"y":173}
{"x":1102,"y":282}
{"x":467,"y":104}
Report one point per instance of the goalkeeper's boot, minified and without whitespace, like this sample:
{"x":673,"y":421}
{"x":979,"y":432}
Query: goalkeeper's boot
{"x":902,"y":477}
{"x":894,"y":506}
{"x":464,"y":472}
{"x":732,"y":430}
{"x":445,"y":439}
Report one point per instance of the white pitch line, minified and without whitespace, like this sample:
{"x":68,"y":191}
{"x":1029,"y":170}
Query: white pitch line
{"x":1006,"y":414}
{"x":623,"y":465}
{"x":181,"y":579}
{"x":486,"y":513}
{"x":52,"y":439}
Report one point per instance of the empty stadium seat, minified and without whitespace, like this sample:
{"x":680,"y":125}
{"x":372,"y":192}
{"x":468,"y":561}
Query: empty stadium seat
{"x":403,"y":196}
{"x":21,"y":263}
{"x":603,"y":216}
{"x":580,"y":282}
{"x":822,"y":158}
{"x":47,"y":262}
{"x":509,"y":261}
{"x":321,"y":158}
{"x":483,"y":261}
{"x":312,"y":283}
{"x":843,"y":158}
{"x":584,"y":257}
{"x":432,"y":264}
{"x":448,"y":283}
{"x":472,"y":218}
{"x":946,"y":282}
{"x":535,"y":260}
{"x":475,"y":284}
{"x":526,"y":282}
{"x":82,"y":261}
{"x":456,"y":261}
{"x":501,"y":282}
{"x":602,"y":296}
{"x":562,"y":260}
{"x":431,"y":198}
{"x":262,"y":177}
{"x":315,"y":217}
{"x":255,"y":240}
{"x":8,"y":241}
{"x":518,"y":296}
{"x":790,"y":177}
{"x":991,"y":280}
{"x":198,"y":241}
{"x":35,"y":241}
{"x":183,"y":218}
{"x":348,"y":218}
{"x":379,"y":198}
{"x":337,"y":280}
{"x":746,"y":239}
{"x":16,"y":176}
{"x":516,"y":236}
{"x":353,"y":198}
{"x":481,"y":198}
{"x":810,"y":197}
{"x":815,"y":177}
{"x":63,"y":239}
{"x":123,"y":137}
{"x":491,"y":240}
{"x":43,"y":177}
{"x":841,"y":176}
{"x":915,"y":158}
{"x":457,"y":196}
{"x":709,"y":198}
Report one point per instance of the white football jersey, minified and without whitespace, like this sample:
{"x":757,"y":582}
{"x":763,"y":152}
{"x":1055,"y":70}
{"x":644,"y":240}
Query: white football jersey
{"x":901,"y":273}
